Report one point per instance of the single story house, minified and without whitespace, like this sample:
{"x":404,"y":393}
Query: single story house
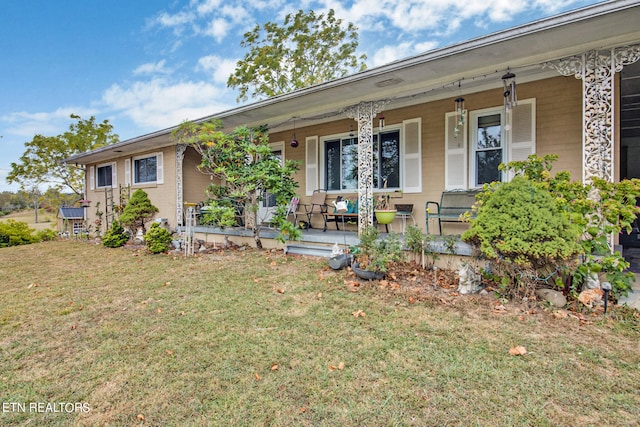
{"x":441,"y":120}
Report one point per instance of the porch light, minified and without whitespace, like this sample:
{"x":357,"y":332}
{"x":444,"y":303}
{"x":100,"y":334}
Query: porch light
{"x":381,"y":121}
{"x":459,"y":115}
{"x":509,"y":86}
{"x":294,"y":141}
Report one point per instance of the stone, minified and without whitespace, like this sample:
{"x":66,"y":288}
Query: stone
{"x":555,"y":298}
{"x":469,"y":280}
{"x":592,"y":282}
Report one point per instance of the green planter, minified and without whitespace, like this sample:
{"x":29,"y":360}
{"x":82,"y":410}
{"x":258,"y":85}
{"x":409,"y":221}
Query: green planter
{"x":385,"y":216}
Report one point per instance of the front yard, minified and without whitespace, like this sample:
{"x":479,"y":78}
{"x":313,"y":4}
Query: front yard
{"x":97,"y":336}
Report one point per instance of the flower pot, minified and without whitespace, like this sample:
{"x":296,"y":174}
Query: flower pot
{"x":366,"y":274}
{"x":338,"y":262}
{"x":385,"y":216}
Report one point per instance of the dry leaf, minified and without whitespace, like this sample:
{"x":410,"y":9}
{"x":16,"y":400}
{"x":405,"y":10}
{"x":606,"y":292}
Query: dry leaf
{"x":560,"y":314}
{"x":412,"y":300}
{"x":273,"y":263}
{"x":518,"y":351}
{"x":169,"y":352}
{"x":159,"y":310}
{"x":303,"y":409}
{"x":319,"y":295}
{"x":257,"y":376}
{"x":341,"y":366}
{"x":332,"y":368}
{"x":255,"y":279}
{"x":280,"y":291}
{"x":73,"y":327}
{"x":274,"y":367}
{"x":140,"y":417}
{"x":358,"y":313}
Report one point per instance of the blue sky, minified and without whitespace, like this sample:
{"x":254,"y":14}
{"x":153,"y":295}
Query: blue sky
{"x":149,"y":65}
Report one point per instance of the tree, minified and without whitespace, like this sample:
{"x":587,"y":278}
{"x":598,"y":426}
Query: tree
{"x":245,"y":170}
{"x":306,"y":50}
{"x":138,"y":211}
{"x":43,"y":160}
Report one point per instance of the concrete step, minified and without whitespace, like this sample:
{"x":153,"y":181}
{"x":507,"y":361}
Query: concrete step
{"x":308,"y":249}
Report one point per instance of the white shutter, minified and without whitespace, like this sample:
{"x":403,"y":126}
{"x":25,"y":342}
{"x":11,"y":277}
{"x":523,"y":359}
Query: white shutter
{"x":160,"y":168}
{"x":92,"y":178}
{"x":412,"y":158}
{"x":312,"y":163}
{"x":127,"y":172}
{"x":114,"y":175}
{"x":522,"y":135}
{"x":456,"y":153}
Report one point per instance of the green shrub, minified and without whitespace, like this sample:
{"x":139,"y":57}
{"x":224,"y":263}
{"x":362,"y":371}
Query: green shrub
{"x":158,"y":239}
{"x":524,"y":230}
{"x":378,"y":254}
{"x":46,"y":235}
{"x":115,"y":237}
{"x":14,"y":233}
{"x":137,"y":212}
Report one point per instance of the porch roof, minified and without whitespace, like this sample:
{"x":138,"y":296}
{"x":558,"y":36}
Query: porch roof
{"x":71,"y":213}
{"x":467,"y":67}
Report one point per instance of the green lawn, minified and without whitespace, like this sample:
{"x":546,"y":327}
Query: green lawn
{"x":249,"y":338}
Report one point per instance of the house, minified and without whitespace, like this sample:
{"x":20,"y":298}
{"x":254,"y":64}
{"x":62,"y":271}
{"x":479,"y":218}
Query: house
{"x":70,"y":221}
{"x":568,"y":85}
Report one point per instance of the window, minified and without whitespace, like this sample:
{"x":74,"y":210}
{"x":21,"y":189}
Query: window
{"x":147,"y":169}
{"x":490,"y":137}
{"x":104,"y":175}
{"x":487,"y":146}
{"x":341,"y":161}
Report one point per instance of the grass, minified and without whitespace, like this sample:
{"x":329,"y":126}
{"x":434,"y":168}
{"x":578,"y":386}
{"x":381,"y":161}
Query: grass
{"x":250,"y":338}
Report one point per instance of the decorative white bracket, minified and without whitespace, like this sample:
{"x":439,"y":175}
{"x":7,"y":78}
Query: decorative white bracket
{"x":596,"y":69}
{"x":364,"y":113}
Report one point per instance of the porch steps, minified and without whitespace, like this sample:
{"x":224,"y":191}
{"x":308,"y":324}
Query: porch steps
{"x":310,"y":249}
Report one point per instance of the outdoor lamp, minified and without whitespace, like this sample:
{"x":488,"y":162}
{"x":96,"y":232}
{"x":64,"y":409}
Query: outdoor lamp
{"x":606,"y":287}
{"x":381,"y":121}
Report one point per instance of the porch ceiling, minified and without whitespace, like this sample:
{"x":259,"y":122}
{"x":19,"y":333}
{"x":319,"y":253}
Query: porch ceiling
{"x":476,"y":65}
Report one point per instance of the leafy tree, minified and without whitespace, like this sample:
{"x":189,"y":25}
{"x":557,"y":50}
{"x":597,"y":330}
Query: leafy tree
{"x":138,"y":211}
{"x":245,"y":170}
{"x":43,"y":160}
{"x":308,"y":49}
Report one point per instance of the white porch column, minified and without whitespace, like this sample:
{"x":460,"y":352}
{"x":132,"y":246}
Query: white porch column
{"x":180,"y":150}
{"x":597,"y":69}
{"x":364,"y":113}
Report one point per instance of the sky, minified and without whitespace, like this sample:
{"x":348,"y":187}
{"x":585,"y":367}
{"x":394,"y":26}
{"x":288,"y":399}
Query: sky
{"x":150,"y":65}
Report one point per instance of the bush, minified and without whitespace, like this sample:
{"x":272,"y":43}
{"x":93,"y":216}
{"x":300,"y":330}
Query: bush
{"x":138,"y":211}
{"x":46,"y":235}
{"x":158,"y":239}
{"x":14,"y":233}
{"x":522,"y":228}
{"x":115,"y":237}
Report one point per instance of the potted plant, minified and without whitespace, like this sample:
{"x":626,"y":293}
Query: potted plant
{"x":374,"y":255}
{"x":385,"y":214}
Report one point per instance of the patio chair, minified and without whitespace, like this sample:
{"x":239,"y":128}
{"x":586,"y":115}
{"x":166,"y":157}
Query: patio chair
{"x":317,"y":205}
{"x":292,"y":209}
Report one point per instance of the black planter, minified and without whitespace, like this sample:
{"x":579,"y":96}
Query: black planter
{"x":338,"y":262}
{"x":366,"y":274}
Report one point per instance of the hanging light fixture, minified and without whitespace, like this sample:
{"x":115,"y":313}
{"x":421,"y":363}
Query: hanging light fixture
{"x":459,"y":115}
{"x":294,"y":141}
{"x":509,"y":86}
{"x":381,"y":121}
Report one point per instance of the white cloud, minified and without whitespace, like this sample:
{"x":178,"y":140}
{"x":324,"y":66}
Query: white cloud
{"x":207,"y":6}
{"x":218,"y":29}
{"x":27,"y":125}
{"x":158,"y":104}
{"x":165,"y":19}
{"x":152,"y":68}
{"x":219,"y":68}
{"x":391,"y":53}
